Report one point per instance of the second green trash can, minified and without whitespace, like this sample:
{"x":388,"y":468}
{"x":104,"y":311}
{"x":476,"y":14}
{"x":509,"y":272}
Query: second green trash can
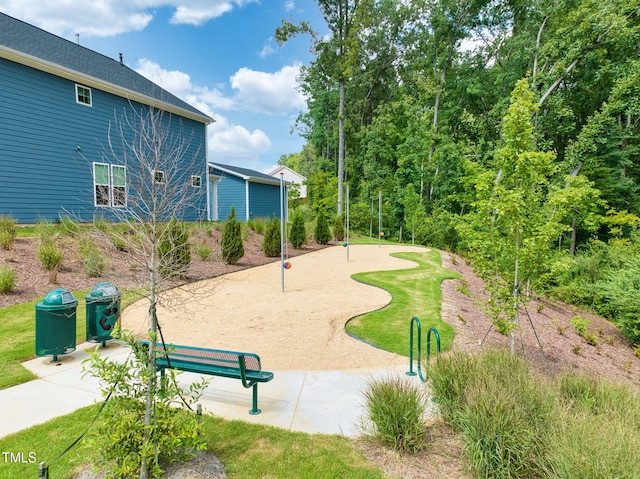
{"x":103,"y":312}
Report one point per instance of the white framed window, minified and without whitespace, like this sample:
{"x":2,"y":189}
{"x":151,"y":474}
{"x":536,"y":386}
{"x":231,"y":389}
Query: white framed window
{"x":83,"y":95}
{"x":119,"y":185}
{"x":196,"y":181}
{"x":158,"y":177}
{"x":109,"y":185}
{"x":101,"y":185}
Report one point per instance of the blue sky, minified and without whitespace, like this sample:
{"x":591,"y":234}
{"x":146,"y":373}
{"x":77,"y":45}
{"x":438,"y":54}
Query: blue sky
{"x":218,"y":55}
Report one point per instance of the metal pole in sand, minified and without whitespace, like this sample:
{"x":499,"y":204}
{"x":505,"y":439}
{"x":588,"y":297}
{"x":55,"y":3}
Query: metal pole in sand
{"x":379,"y":218}
{"x":347,"y":224}
{"x":282,"y":230}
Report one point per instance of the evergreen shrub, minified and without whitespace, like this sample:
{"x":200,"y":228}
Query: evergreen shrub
{"x":338,"y":228}
{"x":174,"y":252}
{"x":271,"y":242}
{"x":322,"y":234}
{"x":298,"y":235}
{"x":232,"y":247}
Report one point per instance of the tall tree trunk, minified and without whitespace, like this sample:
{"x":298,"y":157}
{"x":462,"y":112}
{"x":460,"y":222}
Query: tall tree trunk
{"x":574,"y":236}
{"x":341,"y":148}
{"x":151,"y":371}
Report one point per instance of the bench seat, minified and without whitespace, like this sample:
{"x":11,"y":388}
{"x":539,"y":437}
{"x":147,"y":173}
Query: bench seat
{"x":214,"y":362}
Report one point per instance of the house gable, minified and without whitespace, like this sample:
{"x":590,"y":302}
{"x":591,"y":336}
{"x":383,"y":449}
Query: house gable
{"x":50,"y":141}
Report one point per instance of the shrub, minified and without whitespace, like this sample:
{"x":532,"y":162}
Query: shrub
{"x":322,"y":234}
{"x":49,"y":255}
{"x":232,"y":247}
{"x":580,"y":324}
{"x":7,"y":232}
{"x":7,"y":279}
{"x":92,"y":258}
{"x":298,"y":234}
{"x":174,"y":253}
{"x":498,"y":405}
{"x":395,"y":408}
{"x":338,"y":228}
{"x":174,"y":433}
{"x":69,"y":225}
{"x":204,"y":251}
{"x":257,"y":224}
{"x":272,"y":237}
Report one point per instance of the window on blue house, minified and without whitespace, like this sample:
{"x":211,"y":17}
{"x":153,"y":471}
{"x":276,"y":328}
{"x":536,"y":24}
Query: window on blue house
{"x":196,"y":181}
{"x":101,"y":184}
{"x":158,"y":176}
{"x":83,"y":95}
{"x":119,"y":185}
{"x":110,"y":185}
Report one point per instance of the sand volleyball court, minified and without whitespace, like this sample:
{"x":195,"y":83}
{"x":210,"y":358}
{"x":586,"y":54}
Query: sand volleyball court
{"x":301,"y":328}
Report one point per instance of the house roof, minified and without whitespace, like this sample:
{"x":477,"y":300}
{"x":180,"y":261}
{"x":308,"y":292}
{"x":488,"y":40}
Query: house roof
{"x":244,"y":173}
{"x":29,"y":45}
{"x":280,"y":168}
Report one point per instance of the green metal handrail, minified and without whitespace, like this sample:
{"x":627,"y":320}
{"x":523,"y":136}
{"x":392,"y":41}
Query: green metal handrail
{"x":411,"y":372}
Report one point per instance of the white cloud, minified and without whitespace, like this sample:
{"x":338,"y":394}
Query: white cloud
{"x":108,"y":18}
{"x":273,"y":93}
{"x":289,"y":5}
{"x":179,"y":83}
{"x":227,"y":138}
{"x":268,"y":49}
{"x":224,"y":138}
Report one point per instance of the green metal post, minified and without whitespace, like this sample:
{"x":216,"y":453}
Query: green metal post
{"x":437,"y":334}
{"x":255,"y":409}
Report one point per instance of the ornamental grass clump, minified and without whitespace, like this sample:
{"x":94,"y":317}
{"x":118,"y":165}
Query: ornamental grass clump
{"x":8,"y":232}
{"x":7,"y":279}
{"x":395,"y":407}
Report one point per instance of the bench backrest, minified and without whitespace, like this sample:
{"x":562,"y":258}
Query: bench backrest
{"x":208,"y":357}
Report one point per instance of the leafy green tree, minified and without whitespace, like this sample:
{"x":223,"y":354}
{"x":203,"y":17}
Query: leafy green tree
{"x":513,"y":225}
{"x":231,"y":245}
{"x":271,"y":243}
{"x":414,"y":213}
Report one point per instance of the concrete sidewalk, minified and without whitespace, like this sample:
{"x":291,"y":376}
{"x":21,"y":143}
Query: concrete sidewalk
{"x":328,"y":402}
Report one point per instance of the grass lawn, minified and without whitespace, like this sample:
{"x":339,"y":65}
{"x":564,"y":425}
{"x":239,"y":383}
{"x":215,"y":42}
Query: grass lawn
{"x":247,"y":450}
{"x":17,"y":337}
{"x":415,"y":292}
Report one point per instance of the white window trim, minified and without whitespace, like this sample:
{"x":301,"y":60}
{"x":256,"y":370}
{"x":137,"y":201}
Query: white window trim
{"x":78,"y":85}
{"x":155,"y":178}
{"x":108,"y":185}
{"x":112,"y":186}
{"x":199,"y":185}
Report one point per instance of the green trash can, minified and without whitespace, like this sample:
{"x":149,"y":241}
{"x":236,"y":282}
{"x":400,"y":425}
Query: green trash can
{"x":56,"y":324}
{"x":103,"y":312}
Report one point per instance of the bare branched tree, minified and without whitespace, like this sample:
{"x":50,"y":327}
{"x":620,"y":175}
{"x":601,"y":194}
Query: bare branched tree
{"x":157,"y":181}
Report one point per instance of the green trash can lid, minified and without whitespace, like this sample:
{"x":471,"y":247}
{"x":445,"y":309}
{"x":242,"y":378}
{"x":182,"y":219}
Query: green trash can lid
{"x":103,"y":290}
{"x":59,"y":297}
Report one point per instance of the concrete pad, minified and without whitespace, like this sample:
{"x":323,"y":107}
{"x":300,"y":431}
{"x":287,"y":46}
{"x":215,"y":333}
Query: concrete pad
{"x":38,"y":401}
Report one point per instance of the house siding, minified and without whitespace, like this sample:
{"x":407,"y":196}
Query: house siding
{"x":231,"y":192}
{"x":264,"y":201}
{"x":42,"y":175}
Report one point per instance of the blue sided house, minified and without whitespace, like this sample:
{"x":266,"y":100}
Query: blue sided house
{"x":251,"y":193}
{"x":80,"y":135}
